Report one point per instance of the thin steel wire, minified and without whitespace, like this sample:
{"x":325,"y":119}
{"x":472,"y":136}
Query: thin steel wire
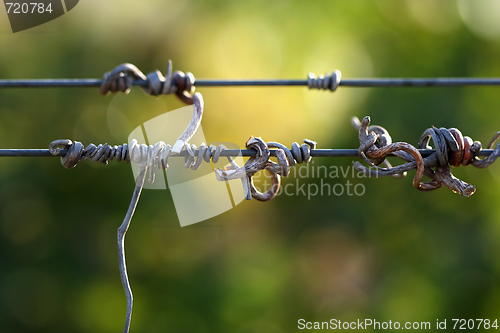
{"x":228,"y":152}
{"x":362,"y":82}
{"x":122,"y":230}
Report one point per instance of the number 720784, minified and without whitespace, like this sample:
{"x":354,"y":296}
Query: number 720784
{"x":24,"y":8}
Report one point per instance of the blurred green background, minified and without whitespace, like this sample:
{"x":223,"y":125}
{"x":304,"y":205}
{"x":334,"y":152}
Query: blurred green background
{"x":391,"y":254}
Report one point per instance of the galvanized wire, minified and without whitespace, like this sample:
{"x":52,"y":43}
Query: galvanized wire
{"x":361,"y":82}
{"x":122,"y":77}
{"x":227,"y":152}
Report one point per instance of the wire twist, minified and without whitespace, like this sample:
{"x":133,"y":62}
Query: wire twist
{"x":149,"y":156}
{"x":157,"y":155}
{"x":328,"y":81}
{"x":77,"y":152}
{"x":121,"y":79}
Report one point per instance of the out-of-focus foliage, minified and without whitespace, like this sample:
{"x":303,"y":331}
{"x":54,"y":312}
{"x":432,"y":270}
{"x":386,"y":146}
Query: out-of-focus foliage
{"x":391,"y":254}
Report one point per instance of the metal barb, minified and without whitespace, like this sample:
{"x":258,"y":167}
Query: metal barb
{"x":452,"y":149}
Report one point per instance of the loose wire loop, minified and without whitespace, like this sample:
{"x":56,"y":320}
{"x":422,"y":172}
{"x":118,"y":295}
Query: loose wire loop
{"x":286,"y":159}
{"x":452,"y":149}
{"x":121,"y":79}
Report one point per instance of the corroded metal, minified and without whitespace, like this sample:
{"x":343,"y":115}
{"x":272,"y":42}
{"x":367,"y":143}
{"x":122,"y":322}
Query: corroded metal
{"x":451,"y":149}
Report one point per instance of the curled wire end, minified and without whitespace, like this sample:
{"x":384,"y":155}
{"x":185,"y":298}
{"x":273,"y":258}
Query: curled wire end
{"x":376,"y":144}
{"x":54,"y":146}
{"x":271,"y":192}
{"x":328,"y":81}
{"x":121,"y":78}
{"x":378,"y":136}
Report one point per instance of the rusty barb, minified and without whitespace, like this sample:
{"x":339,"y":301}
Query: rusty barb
{"x":451,"y":149}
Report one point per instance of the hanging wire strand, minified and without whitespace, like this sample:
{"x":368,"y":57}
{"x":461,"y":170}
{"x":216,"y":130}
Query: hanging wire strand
{"x":375,"y":142}
{"x":375,"y":145}
{"x":122,"y":230}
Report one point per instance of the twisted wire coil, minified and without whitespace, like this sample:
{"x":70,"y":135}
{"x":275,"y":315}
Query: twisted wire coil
{"x":324,"y":82}
{"x":157,"y":155}
{"x":141,"y":154}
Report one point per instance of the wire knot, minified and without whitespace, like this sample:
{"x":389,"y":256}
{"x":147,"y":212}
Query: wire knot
{"x":122,"y":77}
{"x":451,"y":149}
{"x":286,"y":159}
{"x":328,"y":81}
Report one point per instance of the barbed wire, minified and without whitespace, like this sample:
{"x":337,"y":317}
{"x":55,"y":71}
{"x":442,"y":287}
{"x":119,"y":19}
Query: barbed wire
{"x":451,"y":147}
{"x":360,"y":82}
{"x":124,"y":76}
{"x":338,"y":152}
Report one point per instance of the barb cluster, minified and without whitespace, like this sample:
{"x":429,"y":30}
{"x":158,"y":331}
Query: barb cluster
{"x":452,"y":149}
{"x":286,"y":159}
{"x":157,"y":155}
{"x":121,"y":79}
